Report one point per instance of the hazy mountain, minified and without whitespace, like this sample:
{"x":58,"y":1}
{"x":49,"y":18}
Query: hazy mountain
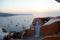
{"x":9,"y":14}
{"x":6,"y":14}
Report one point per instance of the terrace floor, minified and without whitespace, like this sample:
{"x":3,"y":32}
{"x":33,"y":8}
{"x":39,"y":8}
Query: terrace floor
{"x":33,"y":38}
{"x":30,"y":38}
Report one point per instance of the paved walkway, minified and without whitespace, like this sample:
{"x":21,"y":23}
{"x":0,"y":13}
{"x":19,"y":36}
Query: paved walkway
{"x":29,"y":38}
{"x":33,"y":38}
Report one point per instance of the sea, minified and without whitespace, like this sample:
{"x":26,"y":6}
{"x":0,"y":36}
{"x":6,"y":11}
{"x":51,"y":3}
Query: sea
{"x":16,"y":23}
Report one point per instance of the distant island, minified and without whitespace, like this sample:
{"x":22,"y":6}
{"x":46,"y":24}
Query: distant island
{"x":6,"y":14}
{"x":9,"y":14}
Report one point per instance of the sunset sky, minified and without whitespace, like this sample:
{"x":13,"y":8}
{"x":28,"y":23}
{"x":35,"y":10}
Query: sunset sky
{"x":29,"y":6}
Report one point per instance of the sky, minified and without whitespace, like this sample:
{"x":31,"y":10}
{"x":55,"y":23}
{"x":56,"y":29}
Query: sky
{"x":30,"y":6}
